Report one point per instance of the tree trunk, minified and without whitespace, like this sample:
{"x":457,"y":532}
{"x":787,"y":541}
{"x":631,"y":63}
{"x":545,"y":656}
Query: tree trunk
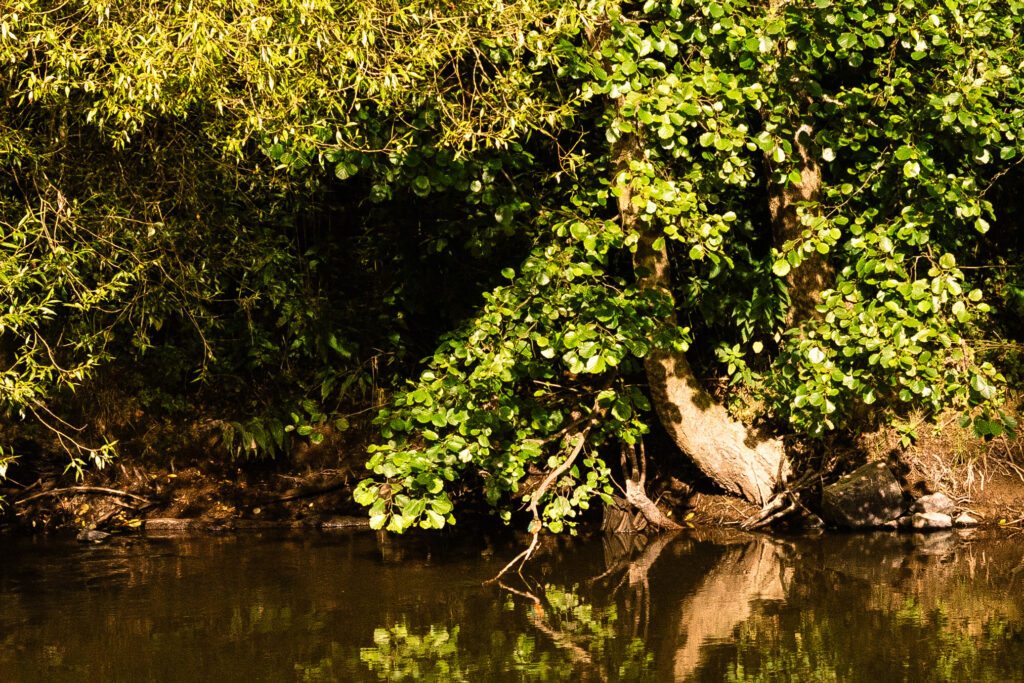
{"x":740,"y":460}
{"x":815,"y":274}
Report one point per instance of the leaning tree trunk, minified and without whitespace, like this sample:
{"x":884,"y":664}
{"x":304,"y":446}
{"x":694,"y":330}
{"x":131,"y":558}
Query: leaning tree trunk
{"x":739,"y":459}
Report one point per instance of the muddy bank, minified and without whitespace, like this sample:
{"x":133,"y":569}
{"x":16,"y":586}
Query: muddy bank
{"x":190,"y":488}
{"x":181,"y":472}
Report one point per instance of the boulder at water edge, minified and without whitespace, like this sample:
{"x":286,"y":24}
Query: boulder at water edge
{"x":926,"y":521}
{"x":938,"y":503}
{"x":868,"y":497}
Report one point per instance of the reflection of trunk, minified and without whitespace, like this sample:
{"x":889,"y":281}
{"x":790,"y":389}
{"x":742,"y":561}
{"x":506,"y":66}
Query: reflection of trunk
{"x":740,"y":460}
{"x":618,"y":550}
{"x":725,"y":598}
{"x":806,"y":282}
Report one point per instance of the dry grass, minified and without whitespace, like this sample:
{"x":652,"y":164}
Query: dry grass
{"x":987,"y":476}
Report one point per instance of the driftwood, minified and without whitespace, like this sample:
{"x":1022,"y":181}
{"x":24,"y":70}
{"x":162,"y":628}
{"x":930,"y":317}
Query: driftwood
{"x":90,"y":490}
{"x":308,"y":493}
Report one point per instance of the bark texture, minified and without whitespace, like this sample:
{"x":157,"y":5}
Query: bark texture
{"x":739,"y":459}
{"x":805,"y":282}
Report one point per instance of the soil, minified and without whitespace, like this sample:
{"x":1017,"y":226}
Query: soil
{"x":985,"y":478}
{"x":194,"y":482}
{"x":313,"y":488}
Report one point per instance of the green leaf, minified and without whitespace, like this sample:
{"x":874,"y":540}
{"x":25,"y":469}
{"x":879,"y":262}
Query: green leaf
{"x":622,"y":410}
{"x":847,"y":41}
{"x":781,"y":268}
{"x":344,"y":171}
{"x":905,"y":152}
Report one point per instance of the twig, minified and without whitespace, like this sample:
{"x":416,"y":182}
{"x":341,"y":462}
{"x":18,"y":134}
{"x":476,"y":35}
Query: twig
{"x":95,"y":490}
{"x":536,"y":525}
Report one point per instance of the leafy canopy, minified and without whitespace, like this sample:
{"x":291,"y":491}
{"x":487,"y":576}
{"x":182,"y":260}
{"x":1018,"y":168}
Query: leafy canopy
{"x":153,"y":153}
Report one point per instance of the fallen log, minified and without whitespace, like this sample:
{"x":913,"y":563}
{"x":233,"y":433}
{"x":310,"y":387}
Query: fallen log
{"x":89,"y":490}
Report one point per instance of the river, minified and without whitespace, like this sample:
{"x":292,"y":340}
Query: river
{"x":708,"y":605}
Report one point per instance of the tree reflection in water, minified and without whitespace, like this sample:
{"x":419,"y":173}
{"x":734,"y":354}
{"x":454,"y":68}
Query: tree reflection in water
{"x":832,"y":608}
{"x":693,"y":605}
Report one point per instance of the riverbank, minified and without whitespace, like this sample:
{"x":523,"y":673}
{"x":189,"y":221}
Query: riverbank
{"x":190,"y":487}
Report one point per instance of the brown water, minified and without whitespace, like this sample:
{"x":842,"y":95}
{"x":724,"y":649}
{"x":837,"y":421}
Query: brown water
{"x":695,"y":606}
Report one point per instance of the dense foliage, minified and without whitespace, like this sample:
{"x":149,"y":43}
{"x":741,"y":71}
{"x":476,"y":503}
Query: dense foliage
{"x":282,"y":193}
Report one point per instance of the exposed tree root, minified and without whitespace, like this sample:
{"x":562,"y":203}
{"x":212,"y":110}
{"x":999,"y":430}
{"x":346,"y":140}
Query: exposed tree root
{"x":635,"y":494}
{"x":780,"y":506}
{"x":636,"y":497}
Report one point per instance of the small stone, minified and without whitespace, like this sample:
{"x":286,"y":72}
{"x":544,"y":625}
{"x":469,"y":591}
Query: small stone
{"x":92,"y":536}
{"x":931,"y":520}
{"x":965,"y":519}
{"x":935,"y":503}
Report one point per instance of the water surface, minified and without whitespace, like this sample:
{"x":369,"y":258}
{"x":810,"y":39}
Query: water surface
{"x":699,"y":605}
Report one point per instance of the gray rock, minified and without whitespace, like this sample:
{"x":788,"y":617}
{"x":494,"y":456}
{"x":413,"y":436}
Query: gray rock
{"x":965,"y":519}
{"x":936,"y":502}
{"x":92,"y":536}
{"x":346,"y":523}
{"x":931,"y":520}
{"x":868,"y":497}
{"x":173,"y":524}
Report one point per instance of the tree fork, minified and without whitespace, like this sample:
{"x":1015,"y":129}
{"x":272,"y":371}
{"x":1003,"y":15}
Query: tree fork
{"x":741,"y":460}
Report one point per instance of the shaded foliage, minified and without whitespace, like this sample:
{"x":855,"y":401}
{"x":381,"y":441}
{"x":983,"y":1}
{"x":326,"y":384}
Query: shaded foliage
{"x":281,"y":206}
